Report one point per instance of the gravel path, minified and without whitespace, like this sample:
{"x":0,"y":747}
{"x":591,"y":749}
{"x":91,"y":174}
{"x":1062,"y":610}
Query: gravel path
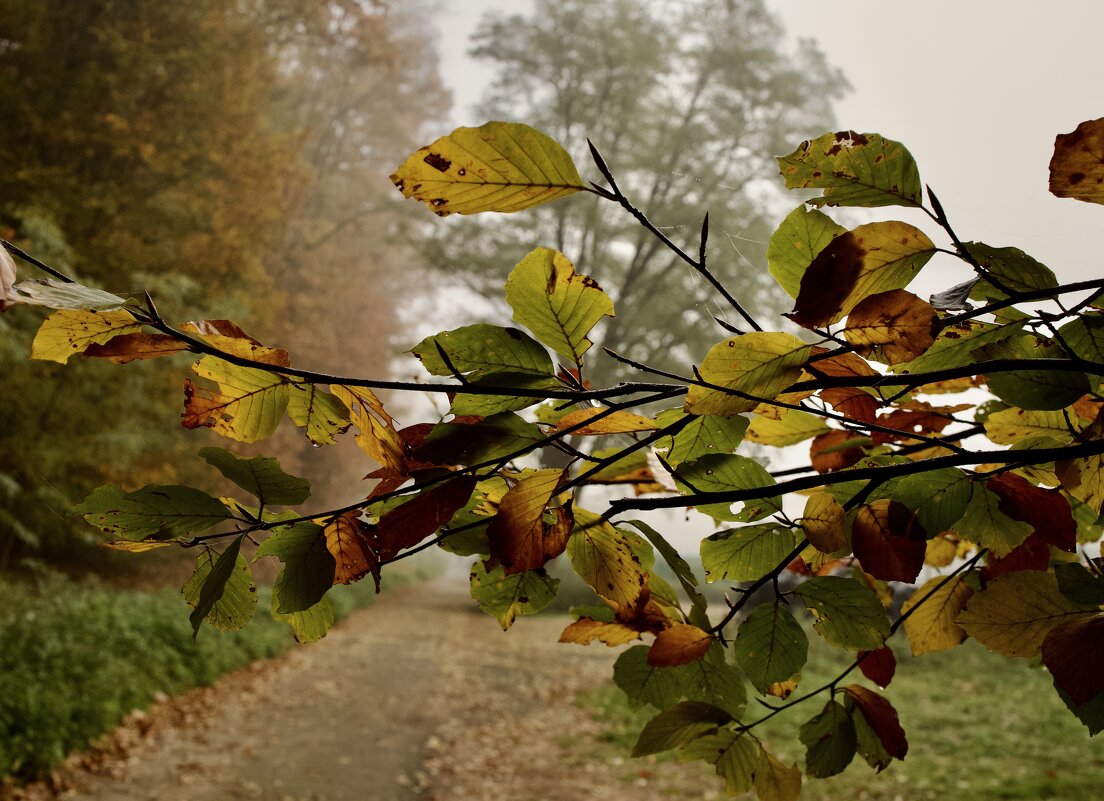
{"x":418,"y":698}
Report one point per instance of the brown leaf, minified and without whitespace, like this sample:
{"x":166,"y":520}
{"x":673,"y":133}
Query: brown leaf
{"x":853,"y":402}
{"x":922,"y":419}
{"x":1031,"y":554}
{"x":1074,"y":654}
{"x":878,"y":666}
{"x":892,"y":327}
{"x":519,"y":536}
{"x":1045,"y":510}
{"x":1077,"y":167}
{"x":407,"y":525}
{"x":131,"y":347}
{"x":831,"y":451}
{"x":680,"y":644}
{"x":882,"y":718}
{"x":889,"y":541}
{"x":353,"y":556}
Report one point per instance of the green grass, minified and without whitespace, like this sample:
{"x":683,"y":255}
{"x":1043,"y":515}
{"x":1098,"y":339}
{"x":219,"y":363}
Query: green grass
{"x":75,"y":658}
{"x":979,"y":726}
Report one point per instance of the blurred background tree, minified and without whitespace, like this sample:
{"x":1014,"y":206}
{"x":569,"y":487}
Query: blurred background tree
{"x":687,"y":100}
{"x":229,"y":157}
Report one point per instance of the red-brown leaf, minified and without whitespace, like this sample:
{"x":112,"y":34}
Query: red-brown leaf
{"x":1074,"y":654}
{"x":830,"y":451}
{"x":407,"y":525}
{"x":879,"y":666}
{"x":889,"y":541}
{"x":882,"y":718}
{"x":1045,"y":510}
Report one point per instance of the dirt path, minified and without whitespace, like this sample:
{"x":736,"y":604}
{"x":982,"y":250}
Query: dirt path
{"x":418,"y":698}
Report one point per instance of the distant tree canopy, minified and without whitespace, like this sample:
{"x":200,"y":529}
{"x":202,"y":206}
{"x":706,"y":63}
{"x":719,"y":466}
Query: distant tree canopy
{"x":207,"y":150}
{"x":688,"y":99}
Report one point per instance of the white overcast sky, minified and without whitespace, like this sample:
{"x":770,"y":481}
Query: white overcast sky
{"x":977,"y":90}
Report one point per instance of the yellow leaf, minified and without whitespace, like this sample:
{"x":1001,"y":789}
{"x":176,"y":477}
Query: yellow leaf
{"x":758,"y":366}
{"x":247,"y":405}
{"x":1009,"y":426}
{"x":940,"y":551}
{"x":584,"y":631}
{"x":782,"y":427}
{"x":137,"y":547}
{"x":376,"y":433}
{"x":614,"y":423}
{"x":353,"y":558}
{"x":500,"y":166}
{"x":71,"y":331}
{"x":603,"y":557}
{"x":932,"y":627}
{"x":1084,"y":478}
{"x":823,"y":523}
{"x":1016,"y":612}
{"x":774,"y":781}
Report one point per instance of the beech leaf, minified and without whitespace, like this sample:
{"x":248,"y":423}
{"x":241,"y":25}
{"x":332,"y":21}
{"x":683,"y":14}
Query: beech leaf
{"x":519,"y":536}
{"x":933,"y":626}
{"x":892,"y":327}
{"x":1077,"y":166}
{"x":68,"y":332}
{"x":854,"y":169}
{"x":500,"y":166}
{"x":755,"y":366}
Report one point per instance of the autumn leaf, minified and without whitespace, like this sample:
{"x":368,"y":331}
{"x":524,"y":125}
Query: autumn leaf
{"x":754,"y":366}
{"x":500,"y":166}
{"x":746,"y":553}
{"x":70,"y":331}
{"x":247,"y":404}
{"x":586,"y":630}
{"x":774,"y":781}
{"x":836,"y":450}
{"x":612,"y":423}
{"x":505,"y":597}
{"x":127,"y":348}
{"x":889,"y":541}
{"x":879,"y":666}
{"x":320,"y":413}
{"x":556,"y":303}
{"x":308,"y":566}
{"x":891,"y":327}
{"x":854,"y":169}
{"x":520,"y":537}
{"x":872,"y":259}
{"x":796,"y":242}
{"x":353,"y":556}
{"x":679,"y":645}
{"x":1074,"y":654}
{"x":155,"y":511}
{"x":881,"y":717}
{"x":376,"y":433}
{"x":1016,"y":612}
{"x":1077,"y":166}
{"x":823,"y":523}
{"x":605,"y":558}
{"x":933,"y":625}
{"x":406,"y":525}
{"x":679,"y":725}
{"x":791,"y":427}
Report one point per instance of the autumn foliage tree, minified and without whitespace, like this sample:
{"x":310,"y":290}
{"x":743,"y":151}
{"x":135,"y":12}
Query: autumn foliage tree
{"x":956,"y":443}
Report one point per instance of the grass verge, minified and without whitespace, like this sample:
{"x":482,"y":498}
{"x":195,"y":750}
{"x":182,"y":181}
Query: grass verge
{"x":979,"y":726}
{"x":75,"y":658}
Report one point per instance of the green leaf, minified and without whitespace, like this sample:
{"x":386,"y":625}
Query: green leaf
{"x":680,"y":568}
{"x":724,"y":472}
{"x":755,"y":366}
{"x":247,"y":405}
{"x":830,"y":741}
{"x":477,"y":351}
{"x":221,"y":590}
{"x":309,"y":625}
{"x":500,"y":166}
{"x":496,"y":437}
{"x":158,"y":512}
{"x":848,"y":614}
{"x":319,"y":412}
{"x":465,"y":404}
{"x":790,"y":428}
{"x":556,"y":303}
{"x":677,"y":726}
{"x":796,"y":242}
{"x":607,"y":559}
{"x":643,"y":684}
{"x":1047,"y":390}
{"x":308,"y":566}
{"x":854,"y":169}
{"x":67,"y":332}
{"x":770,"y":645}
{"x":1010,"y":426}
{"x":505,"y":597}
{"x":1085,"y":337}
{"x":260,"y":476}
{"x":1012,"y":268}
{"x":61,"y":295}
{"x":735,"y":755}
{"x":714,"y":681}
{"x":776,"y":782}
{"x":1079,"y":585}
{"x":985,"y":524}
{"x":871,"y":259}
{"x":939,"y":497}
{"x":701,"y":436}
{"x":746,"y":553}
{"x":955,"y":345}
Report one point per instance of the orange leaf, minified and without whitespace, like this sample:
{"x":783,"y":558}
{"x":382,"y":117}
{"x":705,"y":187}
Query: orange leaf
{"x":353,"y":556}
{"x":681,"y":644}
{"x":831,"y":451}
{"x":407,"y":525}
{"x":894,"y":326}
